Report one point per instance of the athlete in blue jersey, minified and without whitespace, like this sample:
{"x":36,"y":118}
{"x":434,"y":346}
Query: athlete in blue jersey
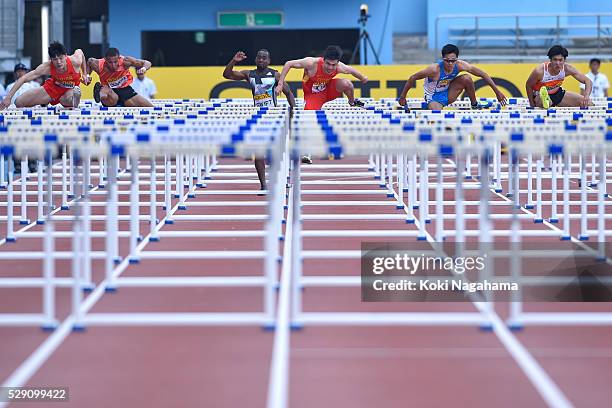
{"x":444,"y":83}
{"x":262,"y":81}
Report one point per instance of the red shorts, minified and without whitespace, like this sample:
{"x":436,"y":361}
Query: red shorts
{"x":55,"y":92}
{"x":314,"y":101}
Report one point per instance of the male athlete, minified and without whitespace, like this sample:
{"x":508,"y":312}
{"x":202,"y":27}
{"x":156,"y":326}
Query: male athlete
{"x":318,"y":82}
{"x":115,"y":79}
{"x":62,"y":87}
{"x":263,"y":81}
{"x":443,"y":83}
{"x":544,"y":84}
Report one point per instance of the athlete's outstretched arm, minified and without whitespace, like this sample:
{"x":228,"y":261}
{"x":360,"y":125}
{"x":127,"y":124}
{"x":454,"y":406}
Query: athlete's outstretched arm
{"x":287,"y":92}
{"x":534,"y":78}
{"x":464,"y":66}
{"x":424,"y":73}
{"x":79,"y":57}
{"x":229,"y":73}
{"x":141,"y":65}
{"x":93,"y":65}
{"x":347,"y":69}
{"x":580,"y":77}
{"x":304,"y":63}
{"x":82,"y":62}
{"x":42,"y":69}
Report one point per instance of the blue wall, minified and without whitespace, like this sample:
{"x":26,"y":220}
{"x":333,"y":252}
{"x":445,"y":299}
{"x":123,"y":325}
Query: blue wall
{"x":128,"y":18}
{"x":409,"y":16}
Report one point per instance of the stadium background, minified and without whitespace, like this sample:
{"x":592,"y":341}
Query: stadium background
{"x":171,"y":81}
{"x":406,"y":34}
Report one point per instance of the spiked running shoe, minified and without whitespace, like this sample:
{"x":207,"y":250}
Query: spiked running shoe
{"x":96,"y":92}
{"x":546,"y":102}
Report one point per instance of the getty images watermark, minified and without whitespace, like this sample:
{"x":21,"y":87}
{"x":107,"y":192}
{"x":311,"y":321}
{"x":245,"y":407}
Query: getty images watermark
{"x":410,"y":264}
{"x":472,"y":272}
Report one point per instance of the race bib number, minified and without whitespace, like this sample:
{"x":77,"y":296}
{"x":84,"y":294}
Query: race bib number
{"x":118,"y":83}
{"x":443,"y":84}
{"x":263,"y":99}
{"x":319,"y":87}
{"x":64,"y":84}
{"x":263,"y":102}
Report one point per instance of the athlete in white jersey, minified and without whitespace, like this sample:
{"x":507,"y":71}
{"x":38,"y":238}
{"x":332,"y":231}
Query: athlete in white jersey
{"x":544,"y":84}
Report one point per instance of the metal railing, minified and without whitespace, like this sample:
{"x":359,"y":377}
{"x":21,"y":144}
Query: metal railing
{"x":520,"y":34}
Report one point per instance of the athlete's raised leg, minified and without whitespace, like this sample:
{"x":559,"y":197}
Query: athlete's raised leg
{"x":138,"y":101}
{"x":33,"y":97}
{"x":572,"y":99}
{"x":108,"y":97}
{"x":72,"y":98}
{"x":462,"y":83}
{"x":538,"y":100}
{"x":344,"y":86}
{"x":433,"y":105}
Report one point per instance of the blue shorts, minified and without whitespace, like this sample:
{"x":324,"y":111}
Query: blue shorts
{"x":440,"y":97}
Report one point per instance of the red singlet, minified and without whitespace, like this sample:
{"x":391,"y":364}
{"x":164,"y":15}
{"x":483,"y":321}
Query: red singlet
{"x":60,"y":83}
{"x":319,"y":88}
{"x":120,"y":78}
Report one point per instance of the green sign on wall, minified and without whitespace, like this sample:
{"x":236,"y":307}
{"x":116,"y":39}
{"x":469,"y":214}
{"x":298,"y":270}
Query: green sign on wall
{"x":249,"y":19}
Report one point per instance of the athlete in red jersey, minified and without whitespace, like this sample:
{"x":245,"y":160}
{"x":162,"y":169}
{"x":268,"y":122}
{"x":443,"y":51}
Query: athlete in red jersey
{"x":62,"y":87}
{"x":318,"y":83}
{"x":115,"y":79}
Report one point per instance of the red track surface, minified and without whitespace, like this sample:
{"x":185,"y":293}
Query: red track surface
{"x":330,"y":366}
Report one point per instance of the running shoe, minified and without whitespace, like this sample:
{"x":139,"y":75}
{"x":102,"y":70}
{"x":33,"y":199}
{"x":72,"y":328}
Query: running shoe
{"x":32,"y":166}
{"x":546,"y":102}
{"x":307,"y":159}
{"x":357,"y":102}
{"x":477,"y":106}
{"x":96,"y":92}
{"x":504,"y":149}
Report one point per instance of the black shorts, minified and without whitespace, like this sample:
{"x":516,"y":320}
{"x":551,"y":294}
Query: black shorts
{"x":557,"y":97}
{"x":124,"y":94}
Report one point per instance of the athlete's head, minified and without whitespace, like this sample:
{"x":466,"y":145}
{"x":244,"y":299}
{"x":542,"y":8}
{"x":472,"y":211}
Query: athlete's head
{"x":262,"y":59}
{"x":57,"y":55}
{"x":594,"y":64}
{"x":557,"y":55}
{"x":450,"y":54}
{"x":331,"y":58}
{"x":112,"y":58}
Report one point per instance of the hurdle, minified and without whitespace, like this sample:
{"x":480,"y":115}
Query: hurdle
{"x":388,"y":167}
{"x":329,"y":132}
{"x":195,"y":168}
{"x":267,"y":282}
{"x":411,"y":161}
